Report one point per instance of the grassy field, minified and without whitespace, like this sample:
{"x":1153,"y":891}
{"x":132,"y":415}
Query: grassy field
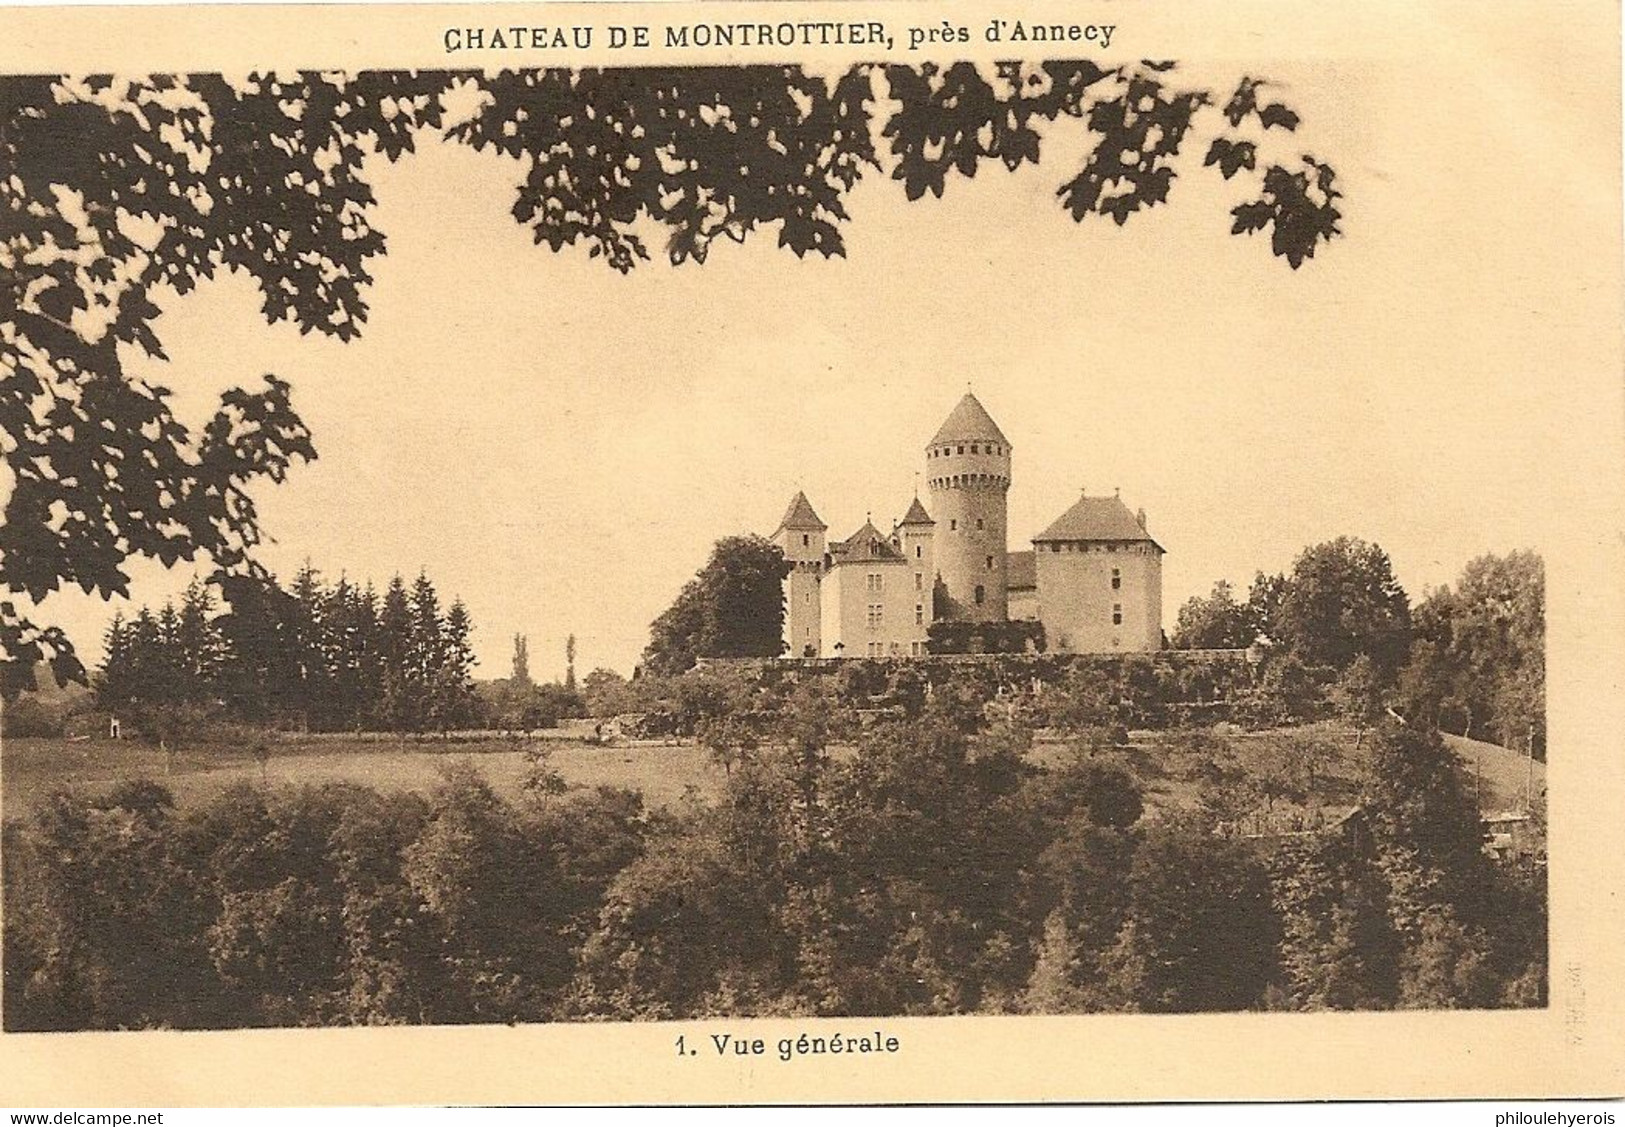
{"x":30,"y":769}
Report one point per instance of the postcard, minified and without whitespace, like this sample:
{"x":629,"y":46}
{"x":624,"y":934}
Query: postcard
{"x":811,"y":552}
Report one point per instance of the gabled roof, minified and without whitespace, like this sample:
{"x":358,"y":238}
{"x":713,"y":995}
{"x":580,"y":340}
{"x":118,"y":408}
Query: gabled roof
{"x":1020,"y":571}
{"x":800,"y":515}
{"x":1097,"y":518}
{"x":866,"y":545}
{"x":969,"y":420}
{"x":916,"y":515}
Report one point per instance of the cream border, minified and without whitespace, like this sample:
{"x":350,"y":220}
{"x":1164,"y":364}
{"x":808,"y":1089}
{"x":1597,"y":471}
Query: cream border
{"x":1576,"y":1047}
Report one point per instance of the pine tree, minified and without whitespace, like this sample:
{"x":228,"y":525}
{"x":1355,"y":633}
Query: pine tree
{"x":369,"y":648}
{"x":400,"y":685}
{"x":428,"y":642}
{"x":168,"y":670}
{"x":341,"y":654}
{"x":202,"y":650}
{"x":456,"y":678}
{"x":570,"y":664}
{"x":310,"y":653}
{"x":116,"y":688}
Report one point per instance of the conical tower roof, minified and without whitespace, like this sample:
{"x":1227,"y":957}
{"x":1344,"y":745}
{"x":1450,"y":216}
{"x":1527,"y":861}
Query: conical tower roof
{"x":800,"y":515}
{"x":969,"y":421}
{"x":916,"y":515}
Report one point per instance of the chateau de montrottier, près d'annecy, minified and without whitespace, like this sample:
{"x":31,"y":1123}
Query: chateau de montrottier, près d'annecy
{"x":1093,"y":578}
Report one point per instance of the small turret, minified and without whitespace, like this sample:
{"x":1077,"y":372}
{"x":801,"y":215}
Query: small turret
{"x":800,"y":536}
{"x":801,"y":533}
{"x":916,"y":536}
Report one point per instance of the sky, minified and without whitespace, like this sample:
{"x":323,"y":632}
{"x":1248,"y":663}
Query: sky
{"x":559,"y":445}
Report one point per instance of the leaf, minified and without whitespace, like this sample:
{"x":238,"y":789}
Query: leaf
{"x":1277,"y":114}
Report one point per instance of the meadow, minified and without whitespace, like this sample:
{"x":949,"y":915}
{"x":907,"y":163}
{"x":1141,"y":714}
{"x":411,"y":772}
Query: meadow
{"x":31,"y":769}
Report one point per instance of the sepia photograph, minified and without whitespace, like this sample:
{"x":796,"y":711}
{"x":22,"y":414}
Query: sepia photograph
{"x":841,"y":519}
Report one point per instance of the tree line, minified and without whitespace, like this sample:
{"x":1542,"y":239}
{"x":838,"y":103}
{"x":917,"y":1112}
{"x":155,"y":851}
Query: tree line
{"x":1337,"y":634}
{"x":1340,"y":629}
{"x":315,"y":655}
{"x":935,"y":869}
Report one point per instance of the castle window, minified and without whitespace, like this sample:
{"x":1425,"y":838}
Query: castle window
{"x":919,"y":614}
{"x":1117,"y":614}
{"x":877,"y":613}
{"x":953,"y":526}
{"x":876,"y":581}
{"x":961,"y":449}
{"x":990,"y":563}
{"x":1117,"y":578}
{"x":973,"y":448}
{"x":981,"y":594}
{"x":919,"y":551}
{"x":979,"y":524}
{"x":919,"y":581}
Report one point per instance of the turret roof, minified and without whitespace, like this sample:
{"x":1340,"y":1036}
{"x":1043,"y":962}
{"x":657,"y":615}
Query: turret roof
{"x":867,"y":544}
{"x":969,"y":420}
{"x":1097,"y":518}
{"x":800,"y":514}
{"x":916,"y":515}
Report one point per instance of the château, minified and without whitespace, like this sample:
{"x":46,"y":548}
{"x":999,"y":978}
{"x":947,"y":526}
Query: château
{"x":1092,"y":578}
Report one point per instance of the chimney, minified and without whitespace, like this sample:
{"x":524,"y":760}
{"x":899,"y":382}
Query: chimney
{"x":1140,"y":516}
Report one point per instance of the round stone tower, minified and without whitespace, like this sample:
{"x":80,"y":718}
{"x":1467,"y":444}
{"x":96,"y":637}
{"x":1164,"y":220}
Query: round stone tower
{"x":968,"y":467}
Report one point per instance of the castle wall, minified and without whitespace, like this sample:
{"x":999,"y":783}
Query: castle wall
{"x":1077,"y":601}
{"x":1023,"y":605}
{"x":849,"y":597}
